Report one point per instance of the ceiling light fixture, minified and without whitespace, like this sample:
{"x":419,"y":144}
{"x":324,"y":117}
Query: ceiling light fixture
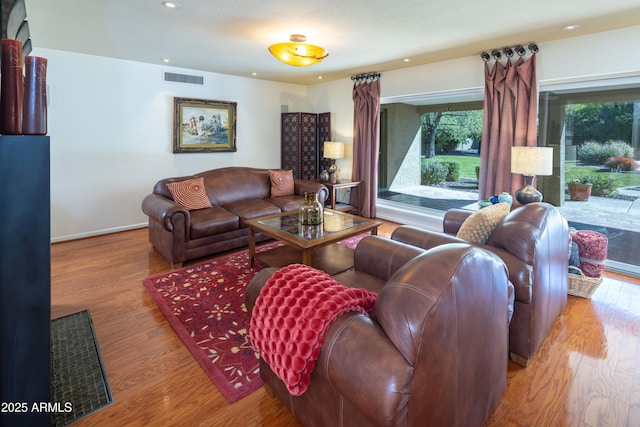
{"x":171,"y":5}
{"x":297,"y":52}
{"x":571,"y":27}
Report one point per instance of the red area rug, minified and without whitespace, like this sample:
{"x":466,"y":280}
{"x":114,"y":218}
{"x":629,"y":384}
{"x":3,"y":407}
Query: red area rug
{"x":204,"y":303}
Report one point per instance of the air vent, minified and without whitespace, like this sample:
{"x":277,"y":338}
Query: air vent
{"x":183,"y":78}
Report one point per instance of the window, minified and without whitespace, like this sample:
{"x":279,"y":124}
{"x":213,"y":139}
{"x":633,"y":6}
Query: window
{"x":429,"y":152}
{"x":595,"y":134}
{"x":578,"y":119}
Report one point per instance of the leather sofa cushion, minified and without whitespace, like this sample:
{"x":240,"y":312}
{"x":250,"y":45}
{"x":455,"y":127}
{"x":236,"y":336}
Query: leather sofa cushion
{"x":251,"y":208}
{"x":287,"y":203}
{"x":358,"y":279}
{"x":215,"y":220}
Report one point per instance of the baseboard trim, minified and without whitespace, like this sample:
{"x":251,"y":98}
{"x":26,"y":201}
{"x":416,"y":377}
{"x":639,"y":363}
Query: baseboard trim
{"x":98,"y":232}
{"x":404,"y":214}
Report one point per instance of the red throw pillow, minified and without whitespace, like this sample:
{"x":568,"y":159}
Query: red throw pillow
{"x":281,"y":182}
{"x":190,"y":193}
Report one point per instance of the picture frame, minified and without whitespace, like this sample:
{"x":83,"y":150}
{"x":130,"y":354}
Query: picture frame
{"x":204,"y":126}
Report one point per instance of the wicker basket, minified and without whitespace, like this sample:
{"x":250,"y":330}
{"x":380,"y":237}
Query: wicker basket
{"x":581,"y":285}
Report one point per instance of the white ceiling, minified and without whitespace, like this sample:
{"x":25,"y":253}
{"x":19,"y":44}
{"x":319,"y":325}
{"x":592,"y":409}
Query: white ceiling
{"x":232,"y":36}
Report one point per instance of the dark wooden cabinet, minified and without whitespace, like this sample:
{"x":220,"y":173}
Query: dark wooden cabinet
{"x":302,"y":138}
{"x":25,"y":277}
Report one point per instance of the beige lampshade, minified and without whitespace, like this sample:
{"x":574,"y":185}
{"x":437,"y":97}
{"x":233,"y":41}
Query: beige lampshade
{"x":333,"y":150}
{"x":532,"y":161}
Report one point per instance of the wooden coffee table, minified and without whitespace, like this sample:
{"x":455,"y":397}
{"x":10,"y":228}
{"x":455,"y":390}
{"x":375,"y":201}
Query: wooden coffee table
{"x":316,"y":246}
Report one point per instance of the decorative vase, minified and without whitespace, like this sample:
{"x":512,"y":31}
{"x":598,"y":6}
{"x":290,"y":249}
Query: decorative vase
{"x":311,"y":211}
{"x":505,"y":197}
{"x":310,"y":231}
{"x":333,"y":177}
{"x":11,"y":87}
{"x":324,"y":176}
{"x":34,"y":117}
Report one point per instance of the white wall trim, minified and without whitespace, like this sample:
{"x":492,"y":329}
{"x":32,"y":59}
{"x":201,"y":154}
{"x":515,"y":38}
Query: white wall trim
{"x":622,"y":79}
{"x":455,"y":95}
{"x":623,"y":268}
{"x":429,"y":219}
{"x":98,"y":232}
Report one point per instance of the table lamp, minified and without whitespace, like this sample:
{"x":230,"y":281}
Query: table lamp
{"x":333,"y":150}
{"x":530,"y":162}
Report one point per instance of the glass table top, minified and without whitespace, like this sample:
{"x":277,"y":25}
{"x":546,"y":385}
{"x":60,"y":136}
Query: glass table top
{"x":334,"y":222}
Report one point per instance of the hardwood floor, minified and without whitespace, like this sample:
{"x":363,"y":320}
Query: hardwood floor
{"x":587,"y":373}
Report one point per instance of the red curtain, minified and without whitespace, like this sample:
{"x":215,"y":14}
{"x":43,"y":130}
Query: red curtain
{"x":510,"y":119}
{"x":366,"y":139}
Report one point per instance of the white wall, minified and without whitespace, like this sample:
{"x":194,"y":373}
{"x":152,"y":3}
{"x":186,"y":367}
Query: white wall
{"x":335,"y":97}
{"x":111,"y":129}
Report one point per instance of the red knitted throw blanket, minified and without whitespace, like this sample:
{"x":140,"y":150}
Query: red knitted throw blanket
{"x":295,"y":309}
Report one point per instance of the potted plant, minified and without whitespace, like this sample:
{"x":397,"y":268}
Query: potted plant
{"x":580,"y":188}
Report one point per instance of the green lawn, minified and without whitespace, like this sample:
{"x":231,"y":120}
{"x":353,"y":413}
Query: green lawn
{"x":467,"y":164}
{"x":623,"y":179}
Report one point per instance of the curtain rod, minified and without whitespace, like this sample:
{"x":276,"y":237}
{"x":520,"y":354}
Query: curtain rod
{"x":509,"y":51}
{"x":365,"y":76}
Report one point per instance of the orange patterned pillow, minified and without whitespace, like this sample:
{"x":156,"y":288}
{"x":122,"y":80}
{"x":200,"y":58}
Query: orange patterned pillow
{"x":281,"y":182}
{"x":190,"y":193}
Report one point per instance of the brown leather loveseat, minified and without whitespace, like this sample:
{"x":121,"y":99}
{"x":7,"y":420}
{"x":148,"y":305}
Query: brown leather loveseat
{"x":433,"y":352}
{"x":234,"y":195}
{"x":533,"y":242}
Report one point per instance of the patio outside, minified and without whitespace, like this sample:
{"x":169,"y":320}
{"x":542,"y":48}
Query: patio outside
{"x":617,"y":218}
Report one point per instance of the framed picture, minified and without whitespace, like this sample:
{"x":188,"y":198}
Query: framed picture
{"x":202,"y":126}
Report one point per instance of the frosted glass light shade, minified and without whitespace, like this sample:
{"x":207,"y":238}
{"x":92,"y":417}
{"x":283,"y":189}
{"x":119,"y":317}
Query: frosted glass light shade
{"x":531,"y":161}
{"x":333,"y":150}
{"x":298,"y":53}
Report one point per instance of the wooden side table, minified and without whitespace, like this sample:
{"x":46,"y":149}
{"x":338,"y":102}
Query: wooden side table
{"x":344,"y":184}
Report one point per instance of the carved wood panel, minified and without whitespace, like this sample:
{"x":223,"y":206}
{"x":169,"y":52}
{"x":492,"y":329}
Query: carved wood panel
{"x":301,"y":142}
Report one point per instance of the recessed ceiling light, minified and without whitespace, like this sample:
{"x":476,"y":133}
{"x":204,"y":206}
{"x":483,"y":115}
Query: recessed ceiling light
{"x":165,"y":60}
{"x":571,"y":27}
{"x":171,"y":5}
{"x":407,"y":59}
{"x":254,"y":74}
{"x":319,"y":77}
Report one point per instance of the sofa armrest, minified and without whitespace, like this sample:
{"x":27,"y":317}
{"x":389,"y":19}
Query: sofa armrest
{"x":162,"y":210}
{"x":423,"y":238}
{"x":301,"y":186}
{"x":453,"y":220}
{"x":255,"y":286}
{"x":382,"y":257}
{"x":520,"y":273}
{"x":354,"y":348}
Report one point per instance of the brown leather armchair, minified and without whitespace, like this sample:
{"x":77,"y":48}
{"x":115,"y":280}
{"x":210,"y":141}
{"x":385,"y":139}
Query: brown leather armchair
{"x":533,"y":242}
{"x":433,"y":352}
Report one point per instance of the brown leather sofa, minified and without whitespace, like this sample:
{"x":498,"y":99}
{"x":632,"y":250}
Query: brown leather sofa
{"x":236,"y":193}
{"x":533,"y":241}
{"x":433,"y":351}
